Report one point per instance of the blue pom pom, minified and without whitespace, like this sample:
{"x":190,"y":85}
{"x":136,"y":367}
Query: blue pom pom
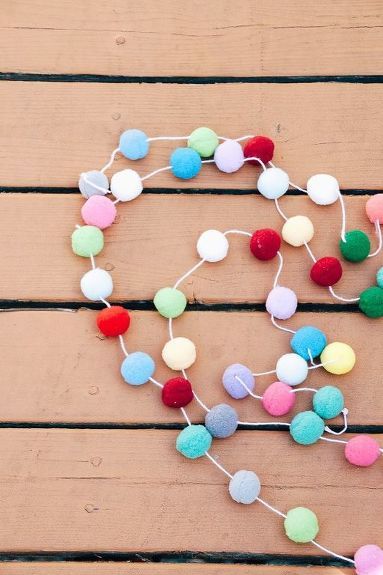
{"x":134,"y":144}
{"x":221,"y":421}
{"x":194,"y":441}
{"x":137,"y":368}
{"x":308,"y":338}
{"x":306,"y":428}
{"x":328,"y":402}
{"x":185,"y":163}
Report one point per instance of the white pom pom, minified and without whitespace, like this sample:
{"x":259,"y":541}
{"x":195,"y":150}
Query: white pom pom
{"x":126,"y":185}
{"x":96,"y":284}
{"x":273,"y":183}
{"x":292,"y":369}
{"x":212,"y":246}
{"x":323,"y":189}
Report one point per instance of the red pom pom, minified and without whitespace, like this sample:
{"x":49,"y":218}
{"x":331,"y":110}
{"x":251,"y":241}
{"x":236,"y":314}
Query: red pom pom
{"x":326,"y":271}
{"x":264,"y":244}
{"x":113,"y":321}
{"x":259,"y":147}
{"x":177,"y":392}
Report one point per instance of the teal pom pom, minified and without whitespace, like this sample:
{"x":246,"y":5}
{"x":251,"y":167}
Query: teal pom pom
{"x":328,"y":402}
{"x":185,"y":163}
{"x":134,"y":144}
{"x":379,"y":277}
{"x":194,"y":441}
{"x":306,"y":428}
{"x":308,"y":339}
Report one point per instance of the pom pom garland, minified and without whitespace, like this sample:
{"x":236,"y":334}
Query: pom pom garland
{"x":301,"y":525}
{"x":212,"y":246}
{"x":221,"y":421}
{"x":265,"y":244}
{"x":232,"y":378}
{"x":126,"y":185}
{"x":259,"y":147}
{"x":99,"y":211}
{"x":134,"y":144}
{"x":369,"y":560}
{"x":298,"y":231}
{"x":228,"y":156}
{"x":96,"y":284}
{"x":137,"y":368}
{"x":93,"y":183}
{"x":170,"y":302}
{"x":326,"y":271}
{"x":323,"y":189}
{"x":245,"y":487}
{"x":273,"y":183}
{"x":355,"y":247}
{"x":308,"y":342}
{"x":113,"y":321}
{"x":87,"y":241}
{"x":204,"y":141}
{"x":185,"y":163}
{"x":362,"y":451}
{"x":278,"y":399}
{"x":292,"y":369}
{"x":194,"y":441}
{"x":307,"y":427}
{"x":374,"y":208}
{"x":281,"y":302}
{"x":177,"y":392}
{"x":179,"y":353}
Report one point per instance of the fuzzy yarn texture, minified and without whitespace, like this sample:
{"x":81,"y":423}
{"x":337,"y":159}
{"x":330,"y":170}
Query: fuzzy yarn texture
{"x":185,"y":163}
{"x":265,"y":243}
{"x":221,"y":421}
{"x":356,"y":247}
{"x":323,"y":189}
{"x":371,"y":301}
{"x":126,"y":185}
{"x":96,"y":284}
{"x":297,"y":231}
{"x":328,"y":402}
{"x":137,"y":368}
{"x":212,"y":246}
{"x":273,"y":183}
{"x":231,"y":383}
{"x":259,"y":147}
{"x":193,"y":441}
{"x":179,"y":353}
{"x":245,"y":487}
{"x":374,"y":208}
{"x":281,"y":302}
{"x":301,"y":525}
{"x":228,"y":156}
{"x":362,"y":450}
{"x":134,"y":144}
{"x":338,"y":358}
{"x":379,"y":277}
{"x":113,"y":321}
{"x":95,"y":177}
{"x":306,"y":428}
{"x":99,"y":211}
{"x":204,"y":141}
{"x":87,"y":241}
{"x":170,"y":302}
{"x":292,"y":369}
{"x":369,"y":560}
{"x":278,"y":399}
{"x":308,"y":340}
{"x":177,"y":392}
{"x":326,"y":271}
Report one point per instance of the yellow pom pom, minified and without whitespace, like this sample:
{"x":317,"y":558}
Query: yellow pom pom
{"x":338,"y":358}
{"x":298,"y":230}
{"x":179,"y":353}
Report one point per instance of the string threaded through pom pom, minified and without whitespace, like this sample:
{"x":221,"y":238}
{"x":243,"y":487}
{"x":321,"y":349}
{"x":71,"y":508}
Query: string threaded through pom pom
{"x":212,"y":246}
{"x":297,"y":231}
{"x":273,"y":183}
{"x":362,"y":450}
{"x":259,"y":147}
{"x":281,"y":302}
{"x":87,"y":241}
{"x":194,"y":441}
{"x":91,"y":182}
{"x":228,"y":156}
{"x":245,"y":487}
{"x":326,"y":271}
{"x":292,"y":369}
{"x":170,"y":302}
{"x":278,"y":399}
{"x":301,"y":525}
{"x":307,"y":427}
{"x":308,"y":341}
{"x":96,"y":284}
{"x":369,"y":560}
{"x":338,"y":358}
{"x":204,"y":141}
{"x":265,"y":243}
{"x":231,"y":383}
{"x":356,"y":247}
{"x":328,"y":402}
{"x":137,"y":368}
{"x":221,"y":421}
{"x":177,"y":392}
{"x":374,"y":208}
{"x":134,"y":144}
{"x":113,"y":321}
{"x":371,"y":301}
{"x":179,"y":353}
{"x":185,"y":163}
{"x":323,"y":189}
{"x":126,"y":185}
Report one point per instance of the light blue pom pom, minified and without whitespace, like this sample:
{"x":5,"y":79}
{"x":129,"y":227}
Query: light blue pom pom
{"x":308,"y":338}
{"x":194,"y":441}
{"x":379,"y":277}
{"x":185,"y":163}
{"x":137,"y":368}
{"x":134,"y":144}
{"x":221,"y":421}
{"x":306,"y":428}
{"x":328,"y":402}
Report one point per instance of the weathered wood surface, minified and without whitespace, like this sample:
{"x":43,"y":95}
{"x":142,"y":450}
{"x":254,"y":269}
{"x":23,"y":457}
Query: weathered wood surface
{"x":252,"y":38}
{"x":51,"y":132}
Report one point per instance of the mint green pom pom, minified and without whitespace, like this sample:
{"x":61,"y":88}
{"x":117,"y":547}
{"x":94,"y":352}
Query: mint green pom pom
{"x":170,"y":302}
{"x":306,"y":428}
{"x":194,"y":441}
{"x":371,"y":301}
{"x":356,"y":247}
{"x":328,"y":402}
{"x":87,"y":241}
{"x":379,"y":277}
{"x":204,"y":141}
{"x":301,"y":525}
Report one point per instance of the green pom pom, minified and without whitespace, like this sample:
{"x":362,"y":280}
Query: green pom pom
{"x":204,"y":141}
{"x":356,"y":247}
{"x":87,"y":241}
{"x":371,"y":301}
{"x":306,"y":428}
{"x":170,"y":302}
{"x":301,"y":525}
{"x":194,"y":441}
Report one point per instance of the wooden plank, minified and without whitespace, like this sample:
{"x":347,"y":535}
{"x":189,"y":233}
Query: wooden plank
{"x":59,"y":368}
{"x":262,"y":38}
{"x":59,"y":130}
{"x":130,"y":491}
{"x":153,"y":243}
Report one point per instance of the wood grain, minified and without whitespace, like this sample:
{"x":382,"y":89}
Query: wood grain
{"x":129,"y":490}
{"x":153,"y":243}
{"x":263,"y":38}
{"x":50,"y":133}
{"x":60,"y":369}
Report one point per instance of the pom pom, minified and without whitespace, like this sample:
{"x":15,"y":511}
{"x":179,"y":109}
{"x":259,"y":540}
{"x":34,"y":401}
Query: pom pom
{"x":278,"y":399}
{"x":212,"y":246}
{"x":93,"y":183}
{"x":233,"y":386}
{"x":307,"y":428}
{"x":369,"y":560}
{"x":379,"y":277}
{"x":221,"y":421}
{"x":126,"y":185}
{"x":326,"y":271}
{"x":301,"y":525}
{"x":281,"y":302}
{"x":137,"y":368}
{"x":113,"y":321}
{"x":323,"y":189}
{"x":374,"y":208}
{"x":170,"y":302}
{"x":96,"y":284}
{"x":291,"y":369}
{"x":356,"y":247}
{"x":194,"y":441}
{"x":273,"y":183}
{"x":179,"y":353}
{"x":228,"y":156}
{"x":259,"y":147}
{"x":362,"y":450}
{"x":328,"y":402}
{"x":87,"y":241}
{"x":177,"y":392}
{"x":204,"y":141}
{"x":338,"y":358}
{"x":245,"y":487}
{"x":134,"y":144}
{"x":308,"y":340}
{"x":99,"y":211}
{"x":371,"y":301}
{"x":264,"y":244}
{"x":185,"y":163}
{"x":297,"y":231}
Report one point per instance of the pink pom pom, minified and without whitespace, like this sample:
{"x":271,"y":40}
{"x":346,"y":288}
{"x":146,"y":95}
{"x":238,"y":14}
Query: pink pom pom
{"x":369,"y":560}
{"x":281,"y":302}
{"x":99,"y":211}
{"x":278,"y":399}
{"x":374,"y":208}
{"x":362,"y":450}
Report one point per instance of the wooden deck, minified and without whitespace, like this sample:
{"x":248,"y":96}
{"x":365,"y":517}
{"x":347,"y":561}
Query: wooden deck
{"x":90,"y":481}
